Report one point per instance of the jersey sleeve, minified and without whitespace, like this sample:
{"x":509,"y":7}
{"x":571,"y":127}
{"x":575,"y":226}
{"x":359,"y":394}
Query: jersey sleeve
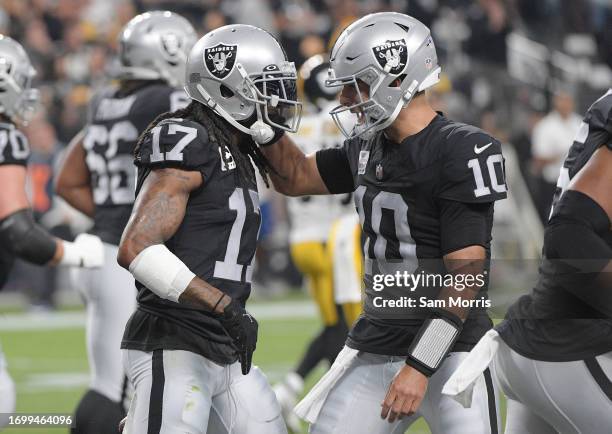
{"x":14,"y":147}
{"x":599,"y":117}
{"x":464,"y":224}
{"x":335,"y":169}
{"x":178,"y":143}
{"x":473,"y":170}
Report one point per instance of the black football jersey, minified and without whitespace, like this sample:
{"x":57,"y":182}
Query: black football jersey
{"x":402,"y":193}
{"x":14,"y":149}
{"x":550,"y":323}
{"x":114,"y":125}
{"x":216,"y":240}
{"x":14,"y":146}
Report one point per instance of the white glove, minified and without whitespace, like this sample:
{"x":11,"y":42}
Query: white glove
{"x":86,"y":251}
{"x":261,"y":133}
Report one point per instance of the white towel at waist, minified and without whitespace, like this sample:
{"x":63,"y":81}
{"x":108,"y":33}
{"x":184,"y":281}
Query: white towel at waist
{"x":310,"y":406}
{"x":460,"y":385}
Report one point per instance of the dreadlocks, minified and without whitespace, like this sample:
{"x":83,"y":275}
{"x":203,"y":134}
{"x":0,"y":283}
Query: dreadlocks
{"x":242,"y":147}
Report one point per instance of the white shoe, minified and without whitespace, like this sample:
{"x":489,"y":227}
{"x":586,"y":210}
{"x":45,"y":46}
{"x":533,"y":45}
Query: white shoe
{"x":287,"y":393}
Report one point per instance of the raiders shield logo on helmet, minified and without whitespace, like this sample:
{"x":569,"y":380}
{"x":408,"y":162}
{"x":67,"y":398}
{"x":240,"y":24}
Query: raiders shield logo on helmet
{"x":392,"y":56}
{"x":220,"y":59}
{"x":171,"y":44}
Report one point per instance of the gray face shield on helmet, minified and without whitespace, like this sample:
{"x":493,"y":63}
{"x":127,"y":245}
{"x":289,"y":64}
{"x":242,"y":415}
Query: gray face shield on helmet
{"x":394,"y":55}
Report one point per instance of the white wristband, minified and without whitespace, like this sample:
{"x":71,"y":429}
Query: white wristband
{"x":86,"y":251}
{"x":72,"y":255}
{"x":162,"y":272}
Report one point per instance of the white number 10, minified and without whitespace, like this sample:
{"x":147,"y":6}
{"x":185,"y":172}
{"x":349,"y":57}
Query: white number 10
{"x":481,"y":189}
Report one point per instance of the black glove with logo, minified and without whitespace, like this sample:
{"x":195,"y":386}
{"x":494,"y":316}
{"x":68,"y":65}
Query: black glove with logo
{"x":242,"y":328}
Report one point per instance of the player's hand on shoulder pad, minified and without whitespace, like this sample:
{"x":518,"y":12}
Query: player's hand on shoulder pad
{"x":264,"y":135}
{"x":86,"y":251}
{"x":242,"y":328}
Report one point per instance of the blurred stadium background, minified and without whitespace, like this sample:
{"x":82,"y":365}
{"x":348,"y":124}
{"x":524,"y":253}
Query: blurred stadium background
{"x":520,"y":69}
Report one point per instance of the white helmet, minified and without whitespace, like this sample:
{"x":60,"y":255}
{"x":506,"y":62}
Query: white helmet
{"x":154,"y":46}
{"x":379,"y":49}
{"x":17,"y":98}
{"x":242,"y":73}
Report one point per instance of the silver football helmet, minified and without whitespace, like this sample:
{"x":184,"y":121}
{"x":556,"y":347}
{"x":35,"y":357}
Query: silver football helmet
{"x":18,"y":100}
{"x":379,"y":49}
{"x":154,"y":46}
{"x":242,"y":73}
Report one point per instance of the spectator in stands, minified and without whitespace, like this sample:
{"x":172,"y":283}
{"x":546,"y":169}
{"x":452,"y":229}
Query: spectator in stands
{"x":552,"y":137}
{"x":489,"y":22}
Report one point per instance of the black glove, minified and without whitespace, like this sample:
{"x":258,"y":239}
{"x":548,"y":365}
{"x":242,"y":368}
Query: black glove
{"x":242,"y":328}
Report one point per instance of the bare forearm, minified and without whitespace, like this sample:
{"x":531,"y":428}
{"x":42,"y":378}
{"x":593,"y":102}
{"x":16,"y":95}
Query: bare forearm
{"x":286,"y":158}
{"x":157,"y":214}
{"x":468,"y":277}
{"x":201,"y":294}
{"x":80,"y":198}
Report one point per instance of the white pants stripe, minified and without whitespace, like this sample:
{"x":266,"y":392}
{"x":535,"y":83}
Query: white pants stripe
{"x":354,"y":404}
{"x":180,"y":392}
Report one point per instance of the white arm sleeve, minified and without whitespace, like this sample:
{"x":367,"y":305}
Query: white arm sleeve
{"x":162,"y":272}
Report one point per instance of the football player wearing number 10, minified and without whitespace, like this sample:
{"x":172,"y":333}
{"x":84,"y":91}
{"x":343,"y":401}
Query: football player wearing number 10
{"x":98,"y":178}
{"x":424,"y":187}
{"x":191,"y":239}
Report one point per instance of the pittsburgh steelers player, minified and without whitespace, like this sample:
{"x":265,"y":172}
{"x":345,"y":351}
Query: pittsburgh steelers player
{"x":20,"y":236}
{"x":98,"y":179}
{"x":191,"y":238}
{"x":424,"y":187}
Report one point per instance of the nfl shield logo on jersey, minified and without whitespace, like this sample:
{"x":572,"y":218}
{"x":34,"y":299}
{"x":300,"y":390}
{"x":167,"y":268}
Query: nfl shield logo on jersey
{"x":220,"y":59}
{"x":392,"y":56}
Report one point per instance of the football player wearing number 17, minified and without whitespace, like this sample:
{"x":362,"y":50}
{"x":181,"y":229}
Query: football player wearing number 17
{"x":98,"y":178}
{"x":191,"y":238}
{"x":424,"y":187}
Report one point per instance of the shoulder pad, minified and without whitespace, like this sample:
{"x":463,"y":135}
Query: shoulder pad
{"x":14,"y":146}
{"x":176,"y":142}
{"x":473,"y":169}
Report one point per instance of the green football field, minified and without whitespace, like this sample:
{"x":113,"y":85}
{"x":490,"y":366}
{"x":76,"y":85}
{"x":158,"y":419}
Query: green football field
{"x":47,"y":358}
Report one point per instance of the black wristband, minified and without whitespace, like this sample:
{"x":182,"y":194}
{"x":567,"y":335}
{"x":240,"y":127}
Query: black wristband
{"x":218,"y":301}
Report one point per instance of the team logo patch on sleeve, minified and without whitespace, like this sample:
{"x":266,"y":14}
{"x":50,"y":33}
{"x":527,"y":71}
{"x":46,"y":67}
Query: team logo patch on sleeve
{"x":220,"y":59}
{"x":392,"y":56}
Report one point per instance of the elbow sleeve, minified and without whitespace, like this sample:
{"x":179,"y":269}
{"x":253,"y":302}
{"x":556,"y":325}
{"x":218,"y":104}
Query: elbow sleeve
{"x":21,"y":235}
